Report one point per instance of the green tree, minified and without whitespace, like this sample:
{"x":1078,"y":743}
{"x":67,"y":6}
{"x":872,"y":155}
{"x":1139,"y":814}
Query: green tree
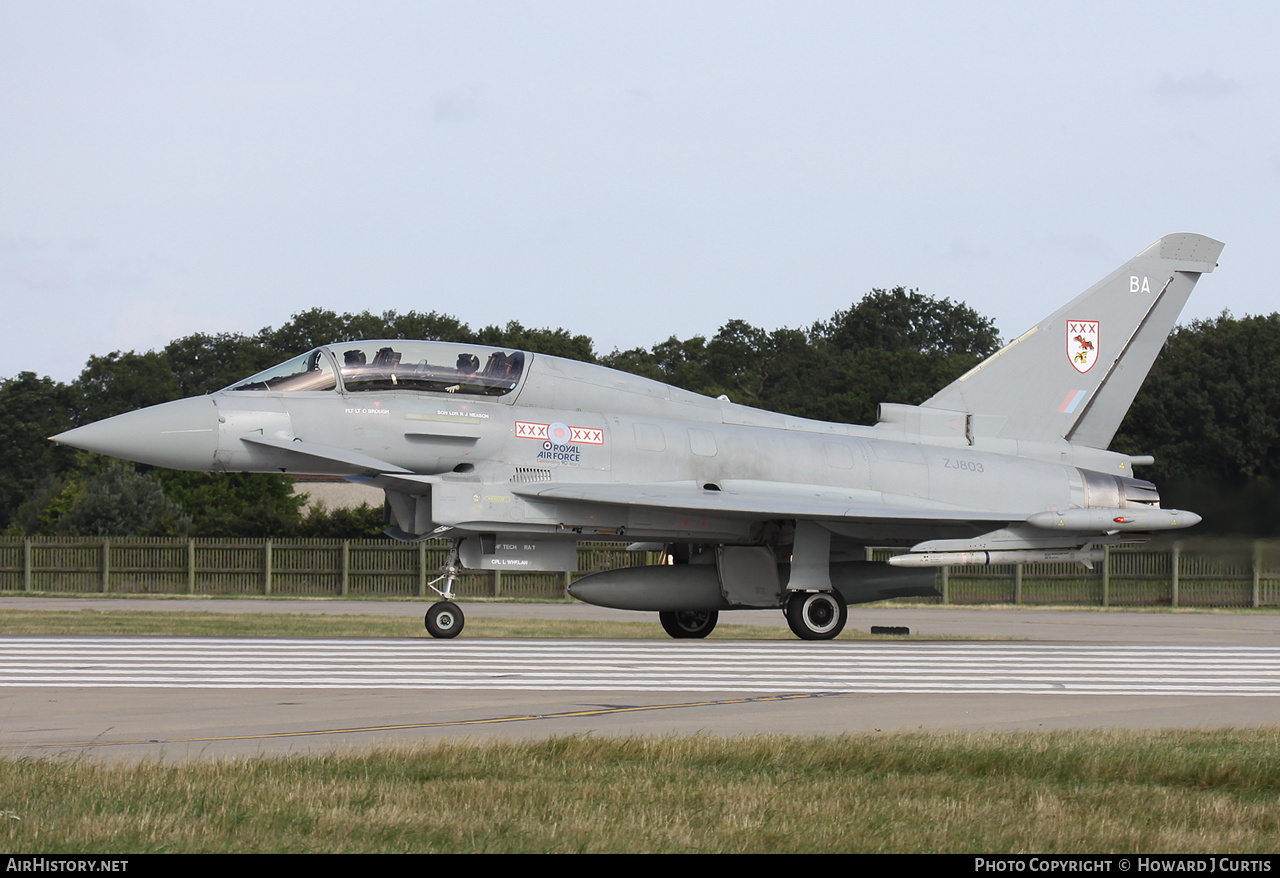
{"x":307,"y":330}
{"x":902,"y":319}
{"x":429,"y":326}
{"x":119,"y":501}
{"x":31,"y":410}
{"x":891,"y":346}
{"x":361,"y":522}
{"x":204,"y":363}
{"x":554,"y":342}
{"x":1211,"y":405}
{"x":122,"y":382}
{"x":1209,"y":413}
{"x":38,"y":514}
{"x":236,"y":504}
{"x":681,"y":363}
{"x":318,"y":326}
{"x":738,"y":362}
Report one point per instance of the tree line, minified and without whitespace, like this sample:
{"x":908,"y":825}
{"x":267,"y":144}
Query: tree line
{"x":1209,"y":411}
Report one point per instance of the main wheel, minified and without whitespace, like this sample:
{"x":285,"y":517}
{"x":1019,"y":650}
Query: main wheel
{"x":445,"y":620}
{"x":687,"y":624}
{"x":818,"y":615}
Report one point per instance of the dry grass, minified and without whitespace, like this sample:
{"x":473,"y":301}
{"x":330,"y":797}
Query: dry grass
{"x":1161,"y":792}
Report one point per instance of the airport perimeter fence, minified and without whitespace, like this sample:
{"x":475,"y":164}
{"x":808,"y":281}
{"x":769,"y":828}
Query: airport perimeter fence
{"x":1178,"y":574}
{"x":290,"y":568}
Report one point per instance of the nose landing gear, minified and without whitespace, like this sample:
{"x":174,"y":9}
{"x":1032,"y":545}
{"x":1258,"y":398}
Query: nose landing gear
{"x":445,"y":619}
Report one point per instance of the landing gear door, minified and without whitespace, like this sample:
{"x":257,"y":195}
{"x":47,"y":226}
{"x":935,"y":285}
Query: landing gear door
{"x":499,"y":552}
{"x":748,"y":576}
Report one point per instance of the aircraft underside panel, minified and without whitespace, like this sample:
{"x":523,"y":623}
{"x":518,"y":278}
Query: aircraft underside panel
{"x":515,"y":552}
{"x":748,"y":576}
{"x":410,"y":514}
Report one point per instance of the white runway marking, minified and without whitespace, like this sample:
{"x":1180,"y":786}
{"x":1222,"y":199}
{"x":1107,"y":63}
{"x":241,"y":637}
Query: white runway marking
{"x":592,"y":666}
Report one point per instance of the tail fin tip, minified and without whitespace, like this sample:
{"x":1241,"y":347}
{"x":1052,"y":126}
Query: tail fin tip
{"x":1199,"y":252}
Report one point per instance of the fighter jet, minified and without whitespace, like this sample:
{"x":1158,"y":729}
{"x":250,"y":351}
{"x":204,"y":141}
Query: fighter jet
{"x":515,"y":457}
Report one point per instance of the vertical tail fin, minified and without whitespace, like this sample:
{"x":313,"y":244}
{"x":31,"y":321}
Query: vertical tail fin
{"x":1075,"y":374}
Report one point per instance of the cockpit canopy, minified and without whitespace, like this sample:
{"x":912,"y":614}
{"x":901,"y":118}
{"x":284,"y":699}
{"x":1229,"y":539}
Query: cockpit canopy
{"x":435,"y":366}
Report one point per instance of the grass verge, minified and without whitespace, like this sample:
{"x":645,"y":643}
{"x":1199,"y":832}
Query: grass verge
{"x":1060,"y":792}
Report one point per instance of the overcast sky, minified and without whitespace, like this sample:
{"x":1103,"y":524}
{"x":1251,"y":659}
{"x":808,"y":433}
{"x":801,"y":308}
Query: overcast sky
{"x":629,"y":170}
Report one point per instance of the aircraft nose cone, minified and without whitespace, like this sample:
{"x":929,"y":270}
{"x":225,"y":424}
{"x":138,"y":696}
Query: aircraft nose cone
{"x":182,"y":434}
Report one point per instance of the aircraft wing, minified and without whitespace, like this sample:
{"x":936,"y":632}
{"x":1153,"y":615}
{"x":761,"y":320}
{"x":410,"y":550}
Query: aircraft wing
{"x":763,"y":499}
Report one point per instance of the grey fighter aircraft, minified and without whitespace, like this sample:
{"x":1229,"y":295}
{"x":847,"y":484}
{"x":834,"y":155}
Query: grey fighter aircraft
{"x":515,"y":457}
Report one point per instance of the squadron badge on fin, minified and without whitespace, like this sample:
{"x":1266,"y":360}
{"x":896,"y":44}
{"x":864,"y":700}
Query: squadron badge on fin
{"x":1082,"y":344}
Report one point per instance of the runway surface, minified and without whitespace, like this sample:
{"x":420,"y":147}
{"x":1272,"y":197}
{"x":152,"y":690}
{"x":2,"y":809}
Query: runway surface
{"x":178,"y":698}
{"x":646,"y":666}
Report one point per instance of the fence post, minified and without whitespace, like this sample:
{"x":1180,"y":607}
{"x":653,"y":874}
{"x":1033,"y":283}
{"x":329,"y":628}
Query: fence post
{"x":106,"y":564}
{"x":497,"y":582}
{"x":946,"y":585}
{"x":1175,"y":565}
{"x":26,"y":565}
{"x":1017,"y":583}
{"x":191,"y":566}
{"x":346,"y":567}
{"x":1106,"y":576}
{"x":1257,"y":573}
{"x":266,"y":580}
{"x":422,"y":569}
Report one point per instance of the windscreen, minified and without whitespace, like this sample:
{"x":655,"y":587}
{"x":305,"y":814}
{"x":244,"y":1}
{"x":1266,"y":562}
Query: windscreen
{"x":311,"y":371}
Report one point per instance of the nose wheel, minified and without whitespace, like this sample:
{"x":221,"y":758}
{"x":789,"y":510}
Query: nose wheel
{"x":445,"y":620}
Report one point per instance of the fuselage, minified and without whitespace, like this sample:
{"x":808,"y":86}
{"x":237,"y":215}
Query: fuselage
{"x":458,"y":434}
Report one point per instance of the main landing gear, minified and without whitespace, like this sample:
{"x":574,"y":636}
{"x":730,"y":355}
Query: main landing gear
{"x":816,"y":615}
{"x":444,"y":619}
{"x":688,"y":624}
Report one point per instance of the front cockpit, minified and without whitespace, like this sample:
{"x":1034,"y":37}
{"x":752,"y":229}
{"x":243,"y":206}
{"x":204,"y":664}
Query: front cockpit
{"x":432,"y":366}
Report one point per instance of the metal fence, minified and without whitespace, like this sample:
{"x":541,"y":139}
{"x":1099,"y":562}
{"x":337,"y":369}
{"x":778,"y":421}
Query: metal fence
{"x":1179,"y":574}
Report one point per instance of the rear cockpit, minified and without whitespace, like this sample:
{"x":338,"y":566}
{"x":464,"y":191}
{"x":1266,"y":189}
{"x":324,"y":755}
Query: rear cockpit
{"x":432,"y":366}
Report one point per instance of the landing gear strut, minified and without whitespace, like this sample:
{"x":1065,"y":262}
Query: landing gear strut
{"x":445,"y":620}
{"x":816,"y":615}
{"x":688,"y":624}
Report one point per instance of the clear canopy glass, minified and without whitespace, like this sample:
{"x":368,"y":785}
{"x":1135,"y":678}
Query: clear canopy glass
{"x":439,"y":367}
{"x":311,"y":371}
